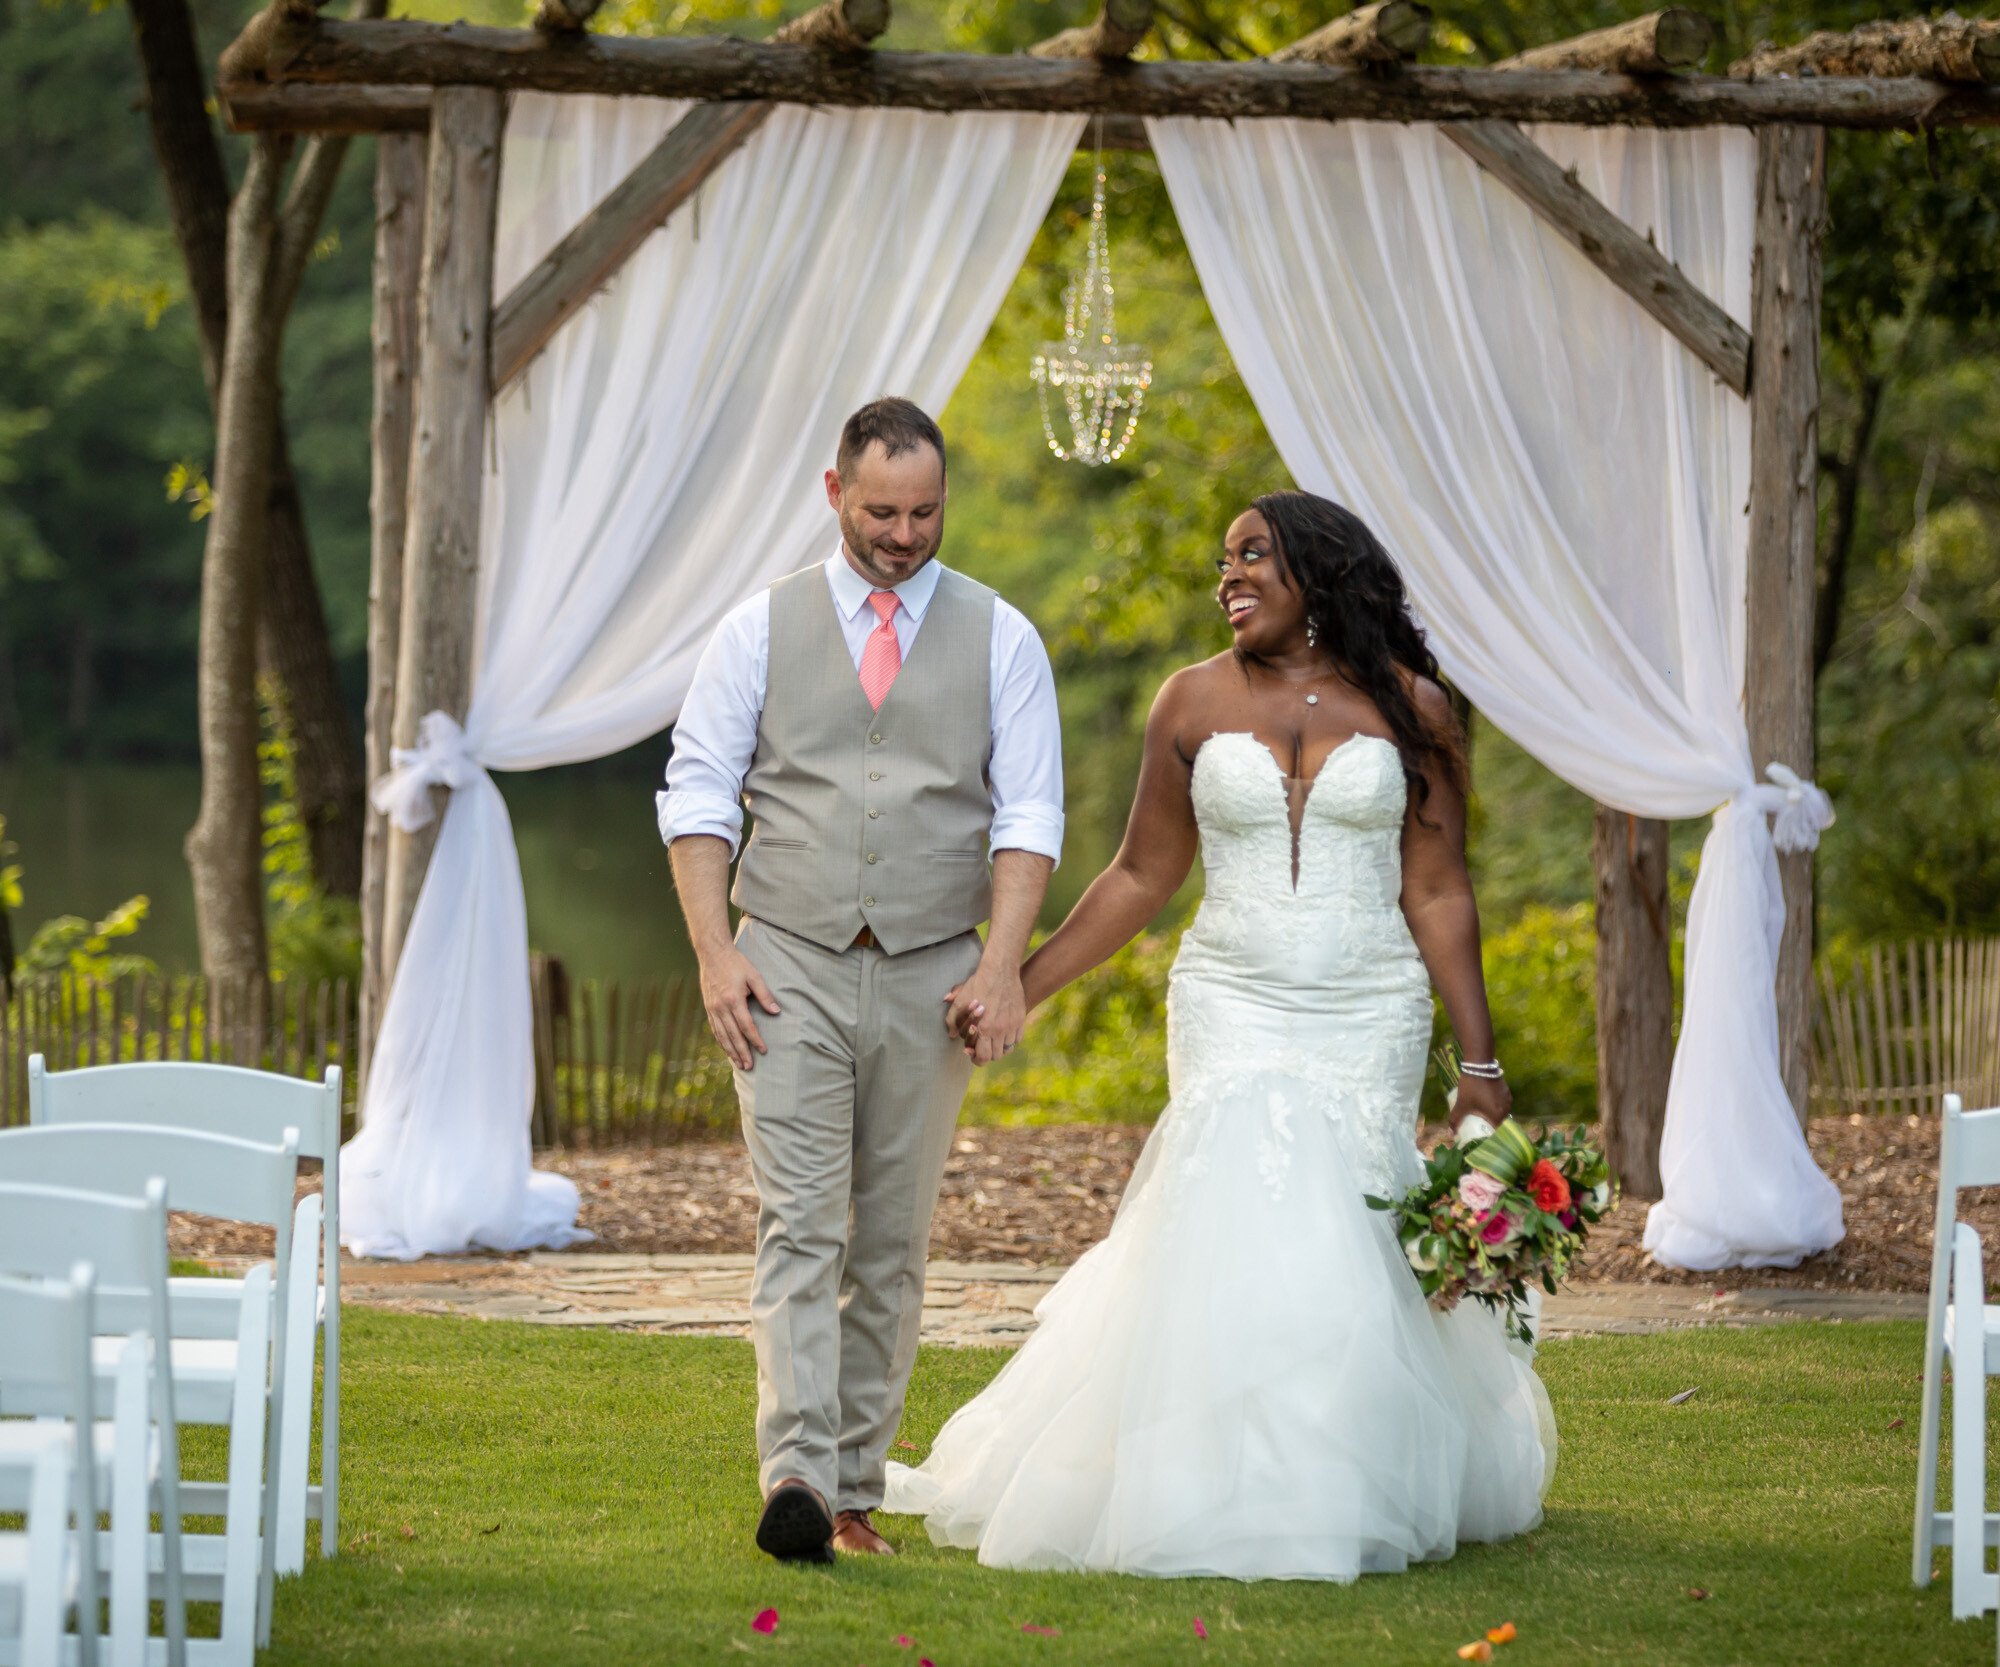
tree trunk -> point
(399, 232)
(1784, 477)
(225, 848)
(1840, 522)
(1635, 994)
(292, 644)
(10, 711)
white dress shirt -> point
(716, 736)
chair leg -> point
(1968, 1481)
(1927, 1463)
(329, 1427)
(294, 1442)
(243, 1528)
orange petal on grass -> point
(1504, 1633)
(1478, 1650)
(1200, 1631)
(766, 1622)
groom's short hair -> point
(898, 424)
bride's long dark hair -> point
(1360, 613)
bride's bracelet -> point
(1488, 1070)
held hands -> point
(988, 1013)
(732, 990)
(1481, 1096)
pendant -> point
(1312, 700)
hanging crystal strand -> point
(1100, 380)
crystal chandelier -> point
(1101, 381)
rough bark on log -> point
(225, 847)
(1625, 257)
(441, 544)
(397, 52)
(559, 285)
(1657, 44)
(399, 225)
(1385, 33)
(258, 107)
(837, 26)
(268, 43)
(1116, 33)
(1635, 994)
(1784, 477)
(1943, 48)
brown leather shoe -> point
(795, 1526)
(853, 1532)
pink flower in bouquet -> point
(1480, 1190)
(1496, 1227)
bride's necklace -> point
(1311, 684)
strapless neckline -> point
(1309, 783)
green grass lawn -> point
(516, 1493)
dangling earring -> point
(1312, 635)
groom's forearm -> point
(1020, 882)
(701, 876)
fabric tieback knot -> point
(442, 757)
(1799, 809)
(882, 654)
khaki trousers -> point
(849, 1121)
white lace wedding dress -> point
(1243, 1379)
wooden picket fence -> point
(1905, 1024)
(295, 1027)
(625, 1064)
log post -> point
(1784, 474)
(399, 250)
(1635, 994)
(447, 454)
(1949, 48)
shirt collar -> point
(850, 590)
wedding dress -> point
(1243, 1379)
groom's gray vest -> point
(863, 817)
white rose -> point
(1599, 1195)
(1420, 1259)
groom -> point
(888, 722)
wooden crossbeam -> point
(1389, 32)
(1943, 48)
(583, 262)
(700, 142)
(297, 107)
(400, 52)
(1625, 257)
(1116, 33)
(1654, 45)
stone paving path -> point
(967, 1303)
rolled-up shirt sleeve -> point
(715, 736)
(1026, 767)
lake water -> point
(599, 891)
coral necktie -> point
(882, 654)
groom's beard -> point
(888, 565)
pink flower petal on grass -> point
(904, 1641)
(1200, 1631)
(766, 1621)
(1041, 1631)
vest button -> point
(875, 740)
(873, 814)
(868, 902)
(874, 775)
(873, 858)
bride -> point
(1244, 1379)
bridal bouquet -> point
(1497, 1214)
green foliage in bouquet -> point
(1495, 1216)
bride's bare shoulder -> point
(1193, 702)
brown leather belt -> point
(864, 939)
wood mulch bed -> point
(1047, 1193)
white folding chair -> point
(248, 1105)
(44, 1230)
(1964, 1328)
(222, 1355)
(50, 1569)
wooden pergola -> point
(444, 349)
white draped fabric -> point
(1564, 486)
(658, 462)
